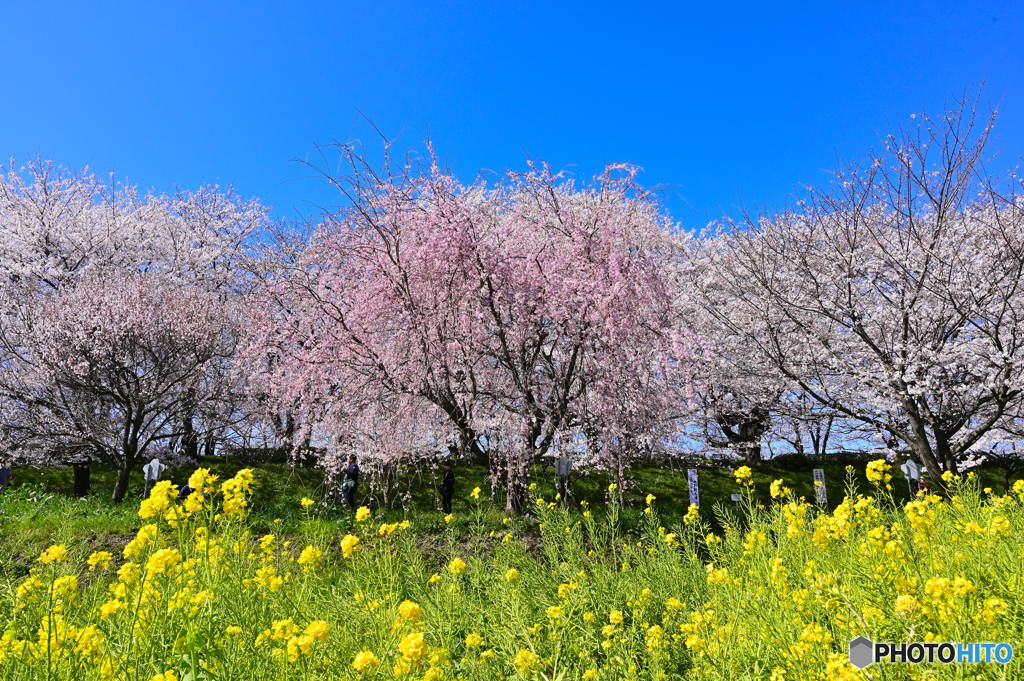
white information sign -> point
(912, 472)
(819, 487)
(737, 498)
(153, 470)
(691, 476)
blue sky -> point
(721, 102)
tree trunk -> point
(620, 478)
(82, 477)
(516, 500)
(189, 439)
(798, 438)
(944, 453)
(751, 453)
(121, 486)
(920, 444)
(744, 432)
(821, 437)
(516, 472)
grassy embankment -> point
(39, 510)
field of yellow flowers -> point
(778, 595)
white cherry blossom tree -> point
(894, 296)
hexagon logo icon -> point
(861, 652)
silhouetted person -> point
(351, 482)
(5, 475)
(447, 488)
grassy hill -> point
(38, 509)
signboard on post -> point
(819, 487)
(152, 470)
(562, 468)
(691, 476)
(912, 472)
(737, 498)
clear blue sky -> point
(720, 101)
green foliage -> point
(562, 593)
(776, 593)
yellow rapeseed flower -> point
(162, 561)
(878, 472)
(310, 556)
(202, 481)
(776, 489)
(349, 545)
(317, 629)
(410, 611)
(169, 675)
(413, 646)
(365, 661)
(54, 554)
(99, 560)
(526, 661)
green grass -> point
(38, 509)
(779, 591)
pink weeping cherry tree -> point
(117, 360)
(504, 314)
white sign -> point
(819, 487)
(153, 470)
(912, 472)
(691, 476)
(737, 498)
(563, 466)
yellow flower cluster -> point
(878, 473)
(349, 545)
(53, 554)
(780, 590)
(235, 492)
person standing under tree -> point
(447, 488)
(5, 475)
(351, 482)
